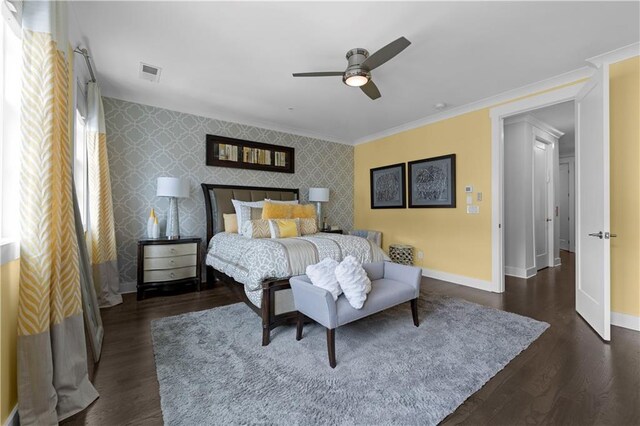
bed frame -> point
(217, 200)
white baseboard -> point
(460, 279)
(513, 271)
(14, 418)
(625, 320)
(128, 287)
(557, 262)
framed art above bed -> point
(222, 151)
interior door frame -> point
(570, 162)
(498, 115)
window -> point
(10, 88)
(80, 170)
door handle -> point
(549, 220)
(597, 234)
(608, 235)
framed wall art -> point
(388, 187)
(432, 182)
(240, 154)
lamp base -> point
(173, 225)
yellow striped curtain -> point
(52, 360)
(101, 227)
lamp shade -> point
(172, 187)
(319, 195)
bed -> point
(258, 270)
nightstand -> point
(333, 231)
(163, 262)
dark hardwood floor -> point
(567, 376)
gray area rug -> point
(212, 369)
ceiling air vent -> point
(149, 72)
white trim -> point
(557, 262)
(498, 114)
(128, 287)
(524, 273)
(503, 97)
(9, 251)
(616, 55)
(459, 279)
(540, 125)
(14, 418)
(631, 322)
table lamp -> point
(319, 196)
(173, 188)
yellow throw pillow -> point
(303, 211)
(284, 228)
(276, 211)
(230, 223)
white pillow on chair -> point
(323, 275)
(353, 281)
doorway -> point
(533, 143)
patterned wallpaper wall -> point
(145, 142)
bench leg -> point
(331, 346)
(414, 311)
(299, 326)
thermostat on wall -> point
(468, 189)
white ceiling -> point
(233, 61)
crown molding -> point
(616, 55)
(541, 125)
(504, 97)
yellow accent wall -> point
(460, 243)
(9, 274)
(625, 185)
(452, 241)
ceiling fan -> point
(358, 72)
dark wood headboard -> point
(217, 200)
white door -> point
(593, 266)
(564, 215)
(541, 218)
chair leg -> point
(414, 311)
(299, 326)
(331, 346)
(266, 335)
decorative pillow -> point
(353, 281)
(256, 213)
(230, 222)
(256, 229)
(307, 211)
(308, 226)
(284, 228)
(323, 275)
(276, 211)
(268, 200)
(243, 210)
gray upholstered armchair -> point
(373, 236)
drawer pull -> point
(172, 275)
(172, 262)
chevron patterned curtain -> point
(101, 228)
(52, 359)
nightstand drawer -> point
(151, 263)
(169, 274)
(170, 250)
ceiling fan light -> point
(356, 80)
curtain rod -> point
(85, 54)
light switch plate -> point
(469, 199)
(479, 196)
(473, 209)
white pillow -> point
(268, 200)
(353, 281)
(243, 210)
(323, 275)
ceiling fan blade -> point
(371, 90)
(386, 53)
(319, 74)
